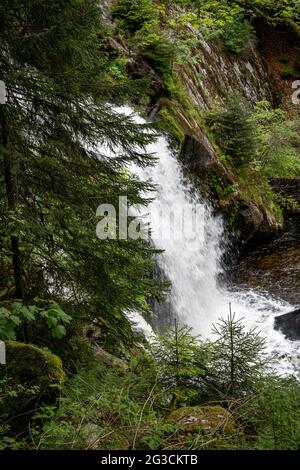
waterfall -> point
(193, 265)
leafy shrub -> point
(263, 138)
(277, 141)
(102, 409)
(15, 314)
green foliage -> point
(63, 152)
(277, 13)
(278, 141)
(101, 409)
(239, 359)
(219, 21)
(288, 71)
(14, 315)
(105, 408)
(10, 391)
(234, 132)
(131, 15)
(10, 443)
(264, 138)
(192, 370)
(214, 13)
(154, 438)
(30, 376)
(158, 50)
(237, 34)
(273, 414)
(180, 359)
(281, 403)
(140, 21)
(169, 122)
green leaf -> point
(58, 331)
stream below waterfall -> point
(197, 297)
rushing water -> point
(193, 265)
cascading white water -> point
(193, 266)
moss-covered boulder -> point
(30, 374)
(104, 438)
(207, 427)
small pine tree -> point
(234, 131)
(239, 358)
(178, 355)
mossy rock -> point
(208, 427)
(32, 364)
(97, 438)
(30, 374)
(206, 419)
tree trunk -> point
(11, 200)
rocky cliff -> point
(207, 75)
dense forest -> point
(88, 90)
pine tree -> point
(239, 359)
(181, 360)
(54, 169)
(234, 131)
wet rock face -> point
(215, 72)
(273, 267)
(289, 324)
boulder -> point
(30, 374)
(206, 419)
(289, 324)
(200, 427)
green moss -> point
(182, 100)
(170, 123)
(30, 366)
(233, 216)
(207, 427)
(194, 418)
(30, 375)
(277, 212)
(288, 71)
(31, 363)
